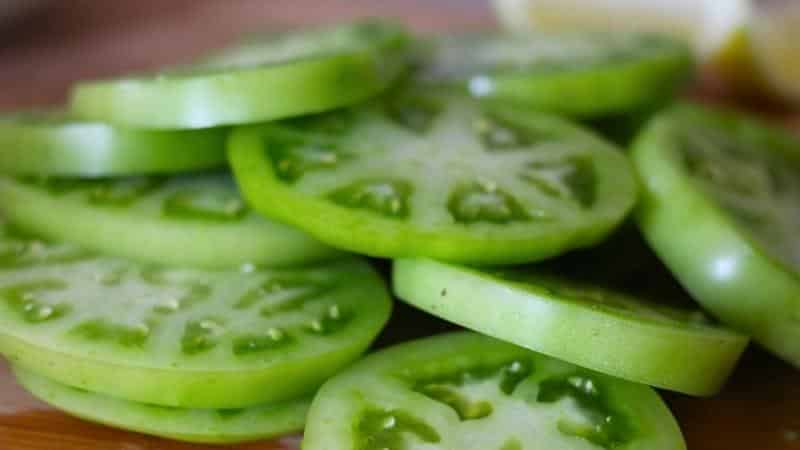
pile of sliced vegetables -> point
(146, 286)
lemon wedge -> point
(775, 46)
(754, 46)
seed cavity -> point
(119, 192)
(499, 134)
(271, 339)
(484, 202)
(200, 336)
(573, 179)
(111, 277)
(25, 300)
(463, 406)
(603, 426)
(294, 157)
(132, 336)
(281, 294)
(333, 319)
(512, 444)
(211, 325)
(204, 205)
(513, 374)
(748, 179)
(154, 275)
(389, 198)
(168, 306)
(415, 113)
(452, 389)
(733, 165)
(381, 430)
(756, 187)
(25, 253)
(197, 293)
(334, 312)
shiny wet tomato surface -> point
(756, 410)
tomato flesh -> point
(720, 210)
(446, 178)
(183, 337)
(467, 391)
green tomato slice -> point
(183, 337)
(289, 74)
(623, 128)
(195, 220)
(211, 426)
(722, 211)
(581, 75)
(469, 392)
(53, 143)
(585, 325)
(442, 177)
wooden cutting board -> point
(42, 56)
(758, 410)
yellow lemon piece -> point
(754, 47)
(775, 46)
(707, 25)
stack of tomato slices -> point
(180, 250)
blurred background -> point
(749, 50)
(45, 45)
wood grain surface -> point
(42, 55)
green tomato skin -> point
(332, 420)
(595, 92)
(243, 96)
(206, 389)
(721, 267)
(162, 371)
(382, 237)
(692, 361)
(325, 221)
(148, 238)
(89, 149)
(190, 425)
(574, 85)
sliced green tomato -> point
(469, 392)
(583, 75)
(53, 143)
(197, 220)
(287, 75)
(214, 426)
(589, 326)
(442, 177)
(183, 337)
(623, 128)
(722, 210)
